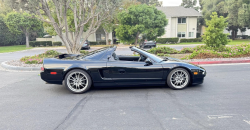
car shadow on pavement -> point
(63, 90)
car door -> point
(134, 73)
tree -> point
(227, 8)
(73, 17)
(7, 38)
(140, 19)
(190, 4)
(214, 36)
(150, 2)
(19, 23)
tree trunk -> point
(27, 39)
(136, 38)
(233, 34)
(107, 36)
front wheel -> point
(178, 79)
(78, 81)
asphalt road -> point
(221, 102)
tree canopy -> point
(70, 19)
(190, 4)
(140, 19)
(19, 23)
(237, 12)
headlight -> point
(204, 73)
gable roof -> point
(178, 11)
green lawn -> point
(4, 49)
(235, 42)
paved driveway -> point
(221, 102)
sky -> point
(171, 2)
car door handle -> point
(122, 71)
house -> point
(182, 22)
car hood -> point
(170, 59)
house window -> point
(100, 37)
(191, 34)
(182, 20)
(181, 34)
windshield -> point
(146, 53)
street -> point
(221, 102)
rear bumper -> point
(45, 76)
(85, 47)
(144, 46)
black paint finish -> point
(108, 69)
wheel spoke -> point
(77, 81)
(179, 79)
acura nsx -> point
(103, 68)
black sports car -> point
(103, 67)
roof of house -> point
(179, 11)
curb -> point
(219, 62)
(9, 67)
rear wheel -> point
(178, 79)
(78, 81)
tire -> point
(77, 84)
(176, 79)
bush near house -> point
(167, 40)
(98, 43)
(191, 40)
(40, 43)
(57, 43)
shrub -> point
(214, 36)
(163, 50)
(38, 59)
(57, 43)
(199, 52)
(167, 40)
(84, 52)
(40, 43)
(191, 40)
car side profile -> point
(103, 68)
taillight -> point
(53, 72)
(42, 68)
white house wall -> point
(171, 29)
(192, 26)
(173, 32)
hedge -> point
(98, 43)
(167, 40)
(191, 40)
(57, 43)
(40, 43)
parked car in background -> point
(148, 44)
(85, 45)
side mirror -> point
(109, 56)
(148, 63)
